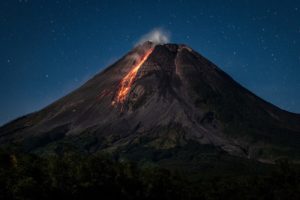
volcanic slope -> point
(160, 102)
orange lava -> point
(127, 81)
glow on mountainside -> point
(127, 81)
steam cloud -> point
(157, 36)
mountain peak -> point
(171, 46)
(160, 96)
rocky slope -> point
(161, 101)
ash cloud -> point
(157, 36)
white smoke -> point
(157, 36)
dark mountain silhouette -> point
(166, 103)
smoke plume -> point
(157, 36)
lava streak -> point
(127, 81)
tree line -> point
(77, 176)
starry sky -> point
(50, 47)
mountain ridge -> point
(176, 96)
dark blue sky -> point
(49, 48)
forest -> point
(98, 176)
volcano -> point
(162, 102)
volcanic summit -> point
(157, 99)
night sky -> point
(48, 47)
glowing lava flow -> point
(127, 81)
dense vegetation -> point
(74, 176)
